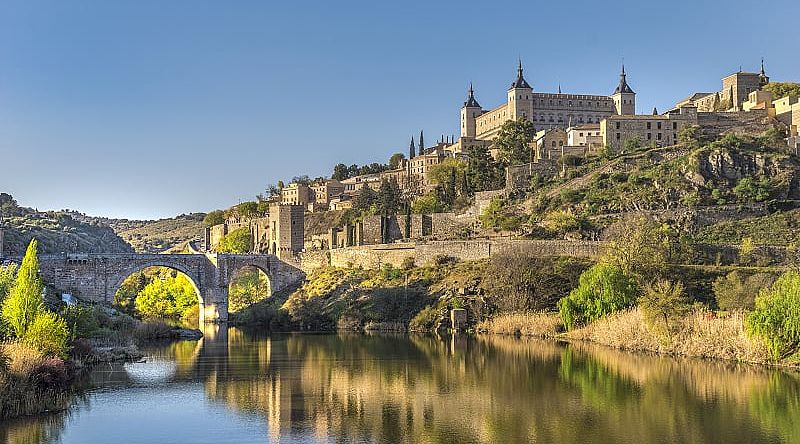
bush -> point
(426, 320)
(737, 291)
(169, 297)
(237, 241)
(408, 263)
(661, 304)
(152, 329)
(389, 273)
(602, 289)
(776, 317)
(81, 320)
(48, 333)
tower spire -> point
(471, 102)
(559, 88)
(520, 82)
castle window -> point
(617, 125)
(649, 125)
(674, 125)
(649, 136)
(658, 136)
(580, 134)
(554, 144)
(617, 136)
(570, 103)
(658, 125)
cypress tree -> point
(25, 299)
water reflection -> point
(424, 389)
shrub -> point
(661, 304)
(49, 333)
(602, 289)
(736, 291)
(560, 222)
(168, 297)
(152, 329)
(746, 250)
(239, 240)
(81, 320)
(426, 320)
(408, 263)
(776, 317)
(389, 273)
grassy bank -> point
(31, 382)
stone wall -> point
(518, 177)
(740, 122)
(424, 253)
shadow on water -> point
(424, 389)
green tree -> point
(215, 217)
(247, 288)
(365, 199)
(500, 215)
(641, 245)
(49, 333)
(662, 304)
(776, 317)
(602, 289)
(483, 173)
(340, 172)
(428, 203)
(780, 90)
(389, 198)
(737, 291)
(396, 160)
(238, 241)
(631, 145)
(8, 274)
(514, 141)
(749, 190)
(247, 210)
(25, 299)
(169, 297)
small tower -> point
(520, 97)
(469, 112)
(763, 79)
(624, 97)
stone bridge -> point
(97, 277)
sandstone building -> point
(279, 233)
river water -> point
(234, 387)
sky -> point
(151, 108)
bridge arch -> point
(135, 267)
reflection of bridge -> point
(96, 277)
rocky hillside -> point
(56, 232)
(163, 235)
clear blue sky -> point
(152, 108)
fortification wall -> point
(518, 177)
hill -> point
(163, 235)
(56, 231)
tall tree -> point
(396, 160)
(25, 300)
(483, 173)
(514, 142)
(389, 199)
(340, 172)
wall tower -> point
(469, 112)
(520, 97)
(624, 97)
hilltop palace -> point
(574, 125)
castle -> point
(545, 110)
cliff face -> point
(730, 166)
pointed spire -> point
(655, 111)
(471, 102)
(559, 88)
(412, 150)
(520, 82)
(762, 67)
(421, 143)
(623, 86)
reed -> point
(536, 324)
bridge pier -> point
(214, 307)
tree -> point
(215, 217)
(49, 333)
(602, 289)
(483, 173)
(749, 190)
(780, 90)
(500, 215)
(168, 297)
(737, 291)
(238, 241)
(340, 172)
(365, 198)
(631, 144)
(8, 274)
(25, 300)
(446, 175)
(640, 245)
(388, 200)
(428, 203)
(247, 210)
(303, 180)
(514, 141)
(662, 303)
(776, 317)
(396, 160)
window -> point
(617, 136)
(658, 136)
(649, 136)
(649, 125)
(674, 125)
(658, 125)
(580, 134)
(617, 125)
(554, 144)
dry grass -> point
(543, 325)
(32, 383)
(152, 329)
(700, 334)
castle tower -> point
(762, 77)
(520, 97)
(469, 112)
(624, 97)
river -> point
(235, 387)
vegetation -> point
(215, 217)
(737, 290)
(780, 228)
(776, 317)
(238, 241)
(514, 140)
(169, 297)
(342, 171)
(780, 90)
(248, 287)
(602, 289)
(663, 304)
(500, 215)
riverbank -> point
(700, 334)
